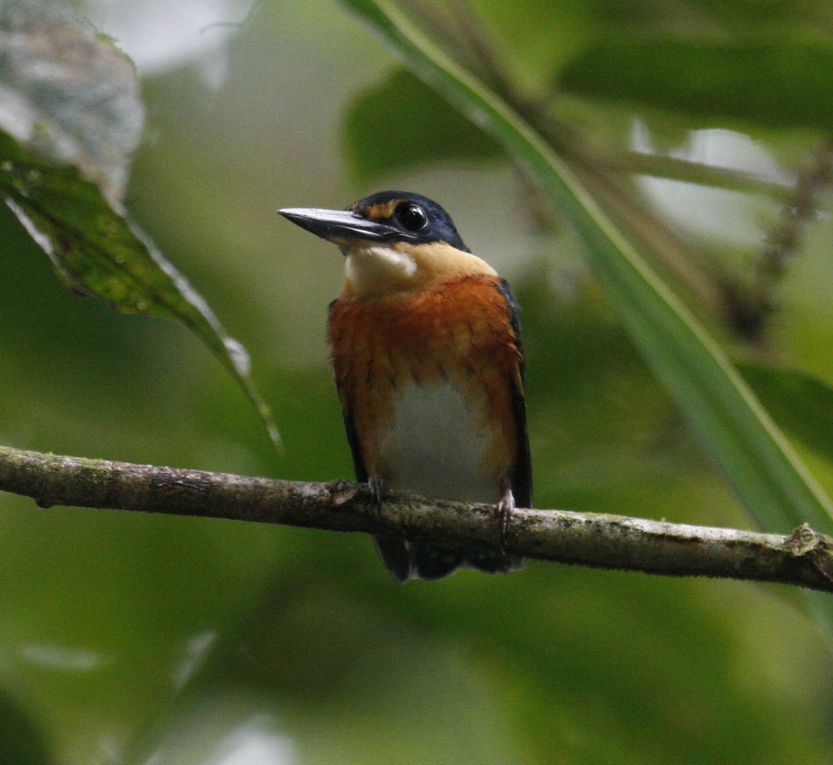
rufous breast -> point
(426, 378)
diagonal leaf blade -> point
(765, 472)
(800, 403)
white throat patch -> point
(377, 268)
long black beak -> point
(341, 227)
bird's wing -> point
(521, 475)
(347, 410)
(355, 445)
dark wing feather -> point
(521, 476)
(346, 407)
(355, 445)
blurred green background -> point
(139, 639)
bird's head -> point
(393, 242)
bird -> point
(426, 349)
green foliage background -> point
(141, 639)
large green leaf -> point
(767, 475)
(771, 82)
(400, 123)
(70, 117)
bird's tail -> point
(423, 560)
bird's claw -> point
(378, 489)
(505, 508)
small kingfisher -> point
(426, 349)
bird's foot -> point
(378, 489)
(505, 508)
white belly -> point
(436, 445)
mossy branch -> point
(803, 558)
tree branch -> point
(804, 558)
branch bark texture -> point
(804, 558)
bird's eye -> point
(411, 216)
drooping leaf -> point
(767, 475)
(400, 123)
(70, 116)
(776, 82)
(67, 92)
(98, 252)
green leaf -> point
(67, 92)
(802, 404)
(400, 123)
(98, 252)
(769, 478)
(70, 117)
(22, 740)
(770, 82)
